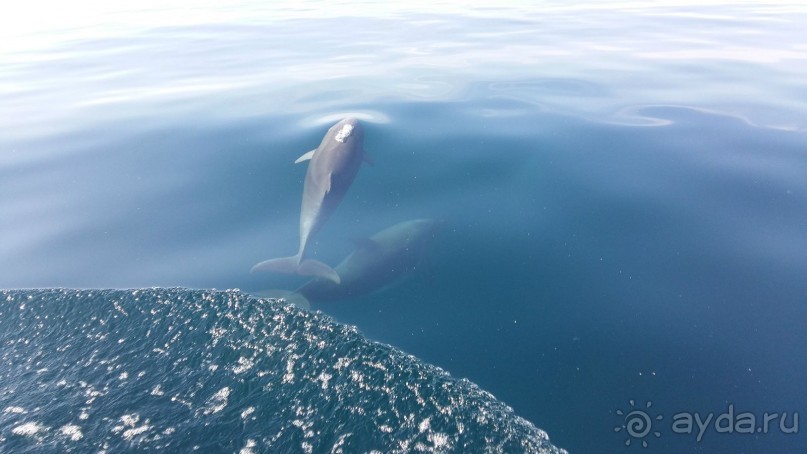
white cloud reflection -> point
(89, 54)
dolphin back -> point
(293, 265)
(332, 168)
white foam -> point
(325, 377)
(440, 441)
(130, 426)
(248, 448)
(135, 431)
(218, 402)
(28, 429)
(425, 424)
(244, 364)
(72, 431)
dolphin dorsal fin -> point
(305, 157)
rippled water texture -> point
(621, 186)
(194, 370)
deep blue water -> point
(622, 187)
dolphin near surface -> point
(334, 164)
(377, 262)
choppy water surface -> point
(621, 186)
(189, 370)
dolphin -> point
(377, 262)
(334, 164)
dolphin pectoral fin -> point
(286, 265)
(368, 159)
(289, 297)
(305, 157)
(311, 267)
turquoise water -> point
(621, 186)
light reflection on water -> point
(712, 57)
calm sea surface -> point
(622, 187)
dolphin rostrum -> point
(333, 167)
(377, 263)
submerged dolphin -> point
(333, 167)
(376, 263)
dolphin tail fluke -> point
(293, 265)
(285, 295)
(311, 267)
(287, 265)
(298, 300)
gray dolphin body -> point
(333, 167)
(377, 262)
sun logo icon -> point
(638, 423)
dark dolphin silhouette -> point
(333, 167)
(377, 262)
